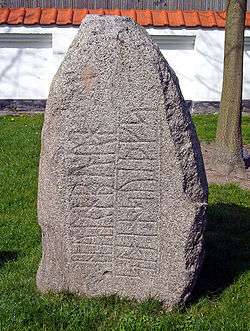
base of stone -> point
(17, 106)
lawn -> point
(206, 127)
(221, 297)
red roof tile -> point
(114, 12)
(144, 17)
(64, 16)
(176, 18)
(173, 18)
(160, 18)
(96, 11)
(79, 15)
(207, 19)
(32, 16)
(248, 19)
(191, 18)
(4, 14)
(48, 16)
(16, 16)
(129, 12)
(220, 18)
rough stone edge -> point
(181, 117)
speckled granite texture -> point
(122, 189)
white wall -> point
(25, 73)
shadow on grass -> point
(7, 256)
(226, 249)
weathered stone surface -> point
(122, 188)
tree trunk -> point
(228, 151)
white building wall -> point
(26, 72)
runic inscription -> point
(114, 194)
(122, 191)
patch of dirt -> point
(213, 176)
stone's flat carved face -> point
(122, 189)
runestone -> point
(122, 191)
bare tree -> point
(228, 151)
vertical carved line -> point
(116, 165)
(159, 221)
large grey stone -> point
(122, 187)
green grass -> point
(221, 297)
(206, 127)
